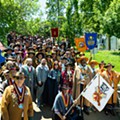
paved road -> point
(46, 114)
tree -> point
(112, 20)
(64, 14)
(98, 16)
(19, 15)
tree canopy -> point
(72, 17)
(20, 16)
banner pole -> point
(73, 104)
(94, 53)
(90, 57)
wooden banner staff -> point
(99, 90)
(73, 104)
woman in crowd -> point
(53, 82)
(49, 61)
(67, 76)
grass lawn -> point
(108, 56)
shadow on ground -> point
(116, 53)
(44, 114)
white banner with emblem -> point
(98, 92)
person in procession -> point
(39, 57)
(93, 70)
(53, 84)
(12, 69)
(81, 78)
(42, 71)
(111, 77)
(101, 68)
(67, 76)
(62, 103)
(52, 69)
(30, 72)
(17, 101)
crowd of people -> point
(40, 70)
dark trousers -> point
(76, 115)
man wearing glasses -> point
(17, 100)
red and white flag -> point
(98, 92)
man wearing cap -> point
(8, 52)
(93, 64)
(80, 79)
(63, 61)
(17, 101)
(39, 57)
(69, 57)
(12, 69)
(31, 54)
(30, 80)
(101, 68)
(62, 103)
(111, 77)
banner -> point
(91, 40)
(2, 59)
(80, 44)
(54, 32)
(98, 92)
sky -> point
(43, 5)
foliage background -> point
(73, 17)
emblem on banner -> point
(100, 93)
(80, 44)
(54, 32)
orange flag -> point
(80, 44)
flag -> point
(80, 44)
(2, 59)
(98, 92)
(54, 32)
(91, 40)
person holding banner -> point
(81, 78)
(62, 103)
(111, 77)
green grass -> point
(112, 57)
